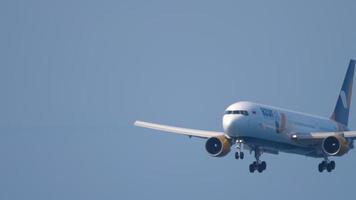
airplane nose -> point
(234, 124)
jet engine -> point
(335, 145)
(218, 146)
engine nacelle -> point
(335, 145)
(218, 146)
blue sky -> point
(74, 75)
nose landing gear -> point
(239, 154)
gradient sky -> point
(74, 75)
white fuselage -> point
(272, 127)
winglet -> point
(342, 108)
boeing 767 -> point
(265, 129)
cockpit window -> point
(237, 112)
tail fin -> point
(342, 108)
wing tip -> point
(137, 123)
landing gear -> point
(258, 165)
(242, 155)
(238, 153)
(326, 165)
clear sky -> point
(74, 75)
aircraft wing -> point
(178, 130)
(322, 135)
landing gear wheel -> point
(321, 167)
(242, 155)
(329, 167)
(326, 165)
(260, 168)
(237, 155)
(252, 168)
(264, 165)
(332, 163)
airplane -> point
(262, 129)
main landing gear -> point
(326, 165)
(258, 165)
